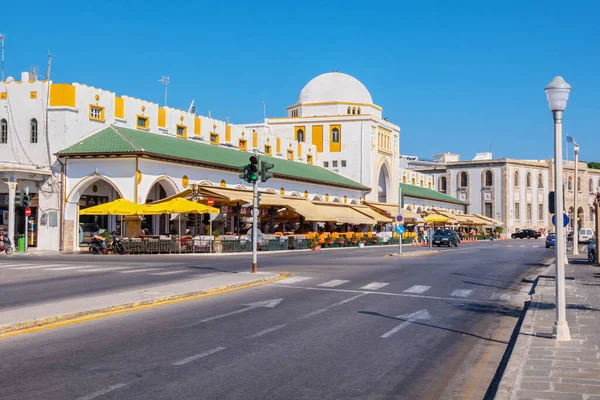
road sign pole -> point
(399, 213)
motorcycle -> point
(98, 246)
(6, 246)
(592, 254)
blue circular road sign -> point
(400, 229)
(565, 220)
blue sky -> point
(455, 75)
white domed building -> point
(335, 115)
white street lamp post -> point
(557, 92)
(576, 216)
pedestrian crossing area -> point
(425, 291)
(84, 269)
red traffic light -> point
(253, 160)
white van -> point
(585, 235)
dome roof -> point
(334, 87)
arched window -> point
(358, 110)
(591, 186)
(442, 187)
(464, 181)
(540, 181)
(335, 135)
(528, 180)
(349, 110)
(300, 135)
(579, 184)
(570, 183)
(488, 178)
(516, 182)
(353, 110)
(3, 131)
(33, 130)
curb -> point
(81, 316)
(415, 254)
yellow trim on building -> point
(119, 107)
(223, 183)
(243, 144)
(335, 147)
(3, 95)
(185, 182)
(317, 137)
(290, 154)
(309, 159)
(278, 145)
(197, 126)
(268, 149)
(91, 117)
(33, 94)
(162, 117)
(144, 118)
(300, 149)
(330, 103)
(254, 139)
(296, 129)
(227, 133)
(184, 132)
(62, 95)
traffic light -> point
(257, 199)
(19, 197)
(265, 167)
(551, 203)
(26, 200)
(250, 174)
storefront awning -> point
(475, 220)
(229, 195)
(453, 218)
(340, 213)
(492, 221)
(368, 211)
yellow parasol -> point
(433, 218)
(116, 207)
(180, 206)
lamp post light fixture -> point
(557, 93)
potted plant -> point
(374, 239)
(217, 245)
(354, 239)
(341, 241)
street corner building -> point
(74, 146)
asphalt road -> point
(344, 326)
(29, 280)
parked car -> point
(551, 240)
(526, 233)
(88, 228)
(444, 237)
(585, 235)
(570, 236)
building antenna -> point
(165, 80)
(489, 147)
(2, 43)
(264, 103)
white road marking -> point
(410, 318)
(250, 306)
(500, 296)
(39, 266)
(265, 331)
(103, 391)
(182, 271)
(418, 296)
(293, 279)
(339, 303)
(522, 245)
(102, 269)
(536, 246)
(198, 356)
(461, 293)
(333, 283)
(510, 245)
(61, 268)
(417, 289)
(140, 270)
(374, 286)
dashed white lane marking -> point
(293, 279)
(536, 246)
(522, 245)
(339, 303)
(140, 270)
(265, 331)
(374, 286)
(417, 289)
(197, 356)
(510, 245)
(170, 272)
(102, 269)
(61, 268)
(333, 283)
(103, 391)
(39, 266)
(461, 293)
(500, 296)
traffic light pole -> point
(254, 226)
(399, 213)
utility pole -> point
(2, 44)
(399, 213)
(576, 216)
(165, 81)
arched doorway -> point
(89, 192)
(162, 188)
(383, 184)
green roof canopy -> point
(425, 193)
(115, 140)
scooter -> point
(116, 246)
(98, 246)
(592, 254)
(6, 246)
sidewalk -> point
(542, 368)
(40, 316)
